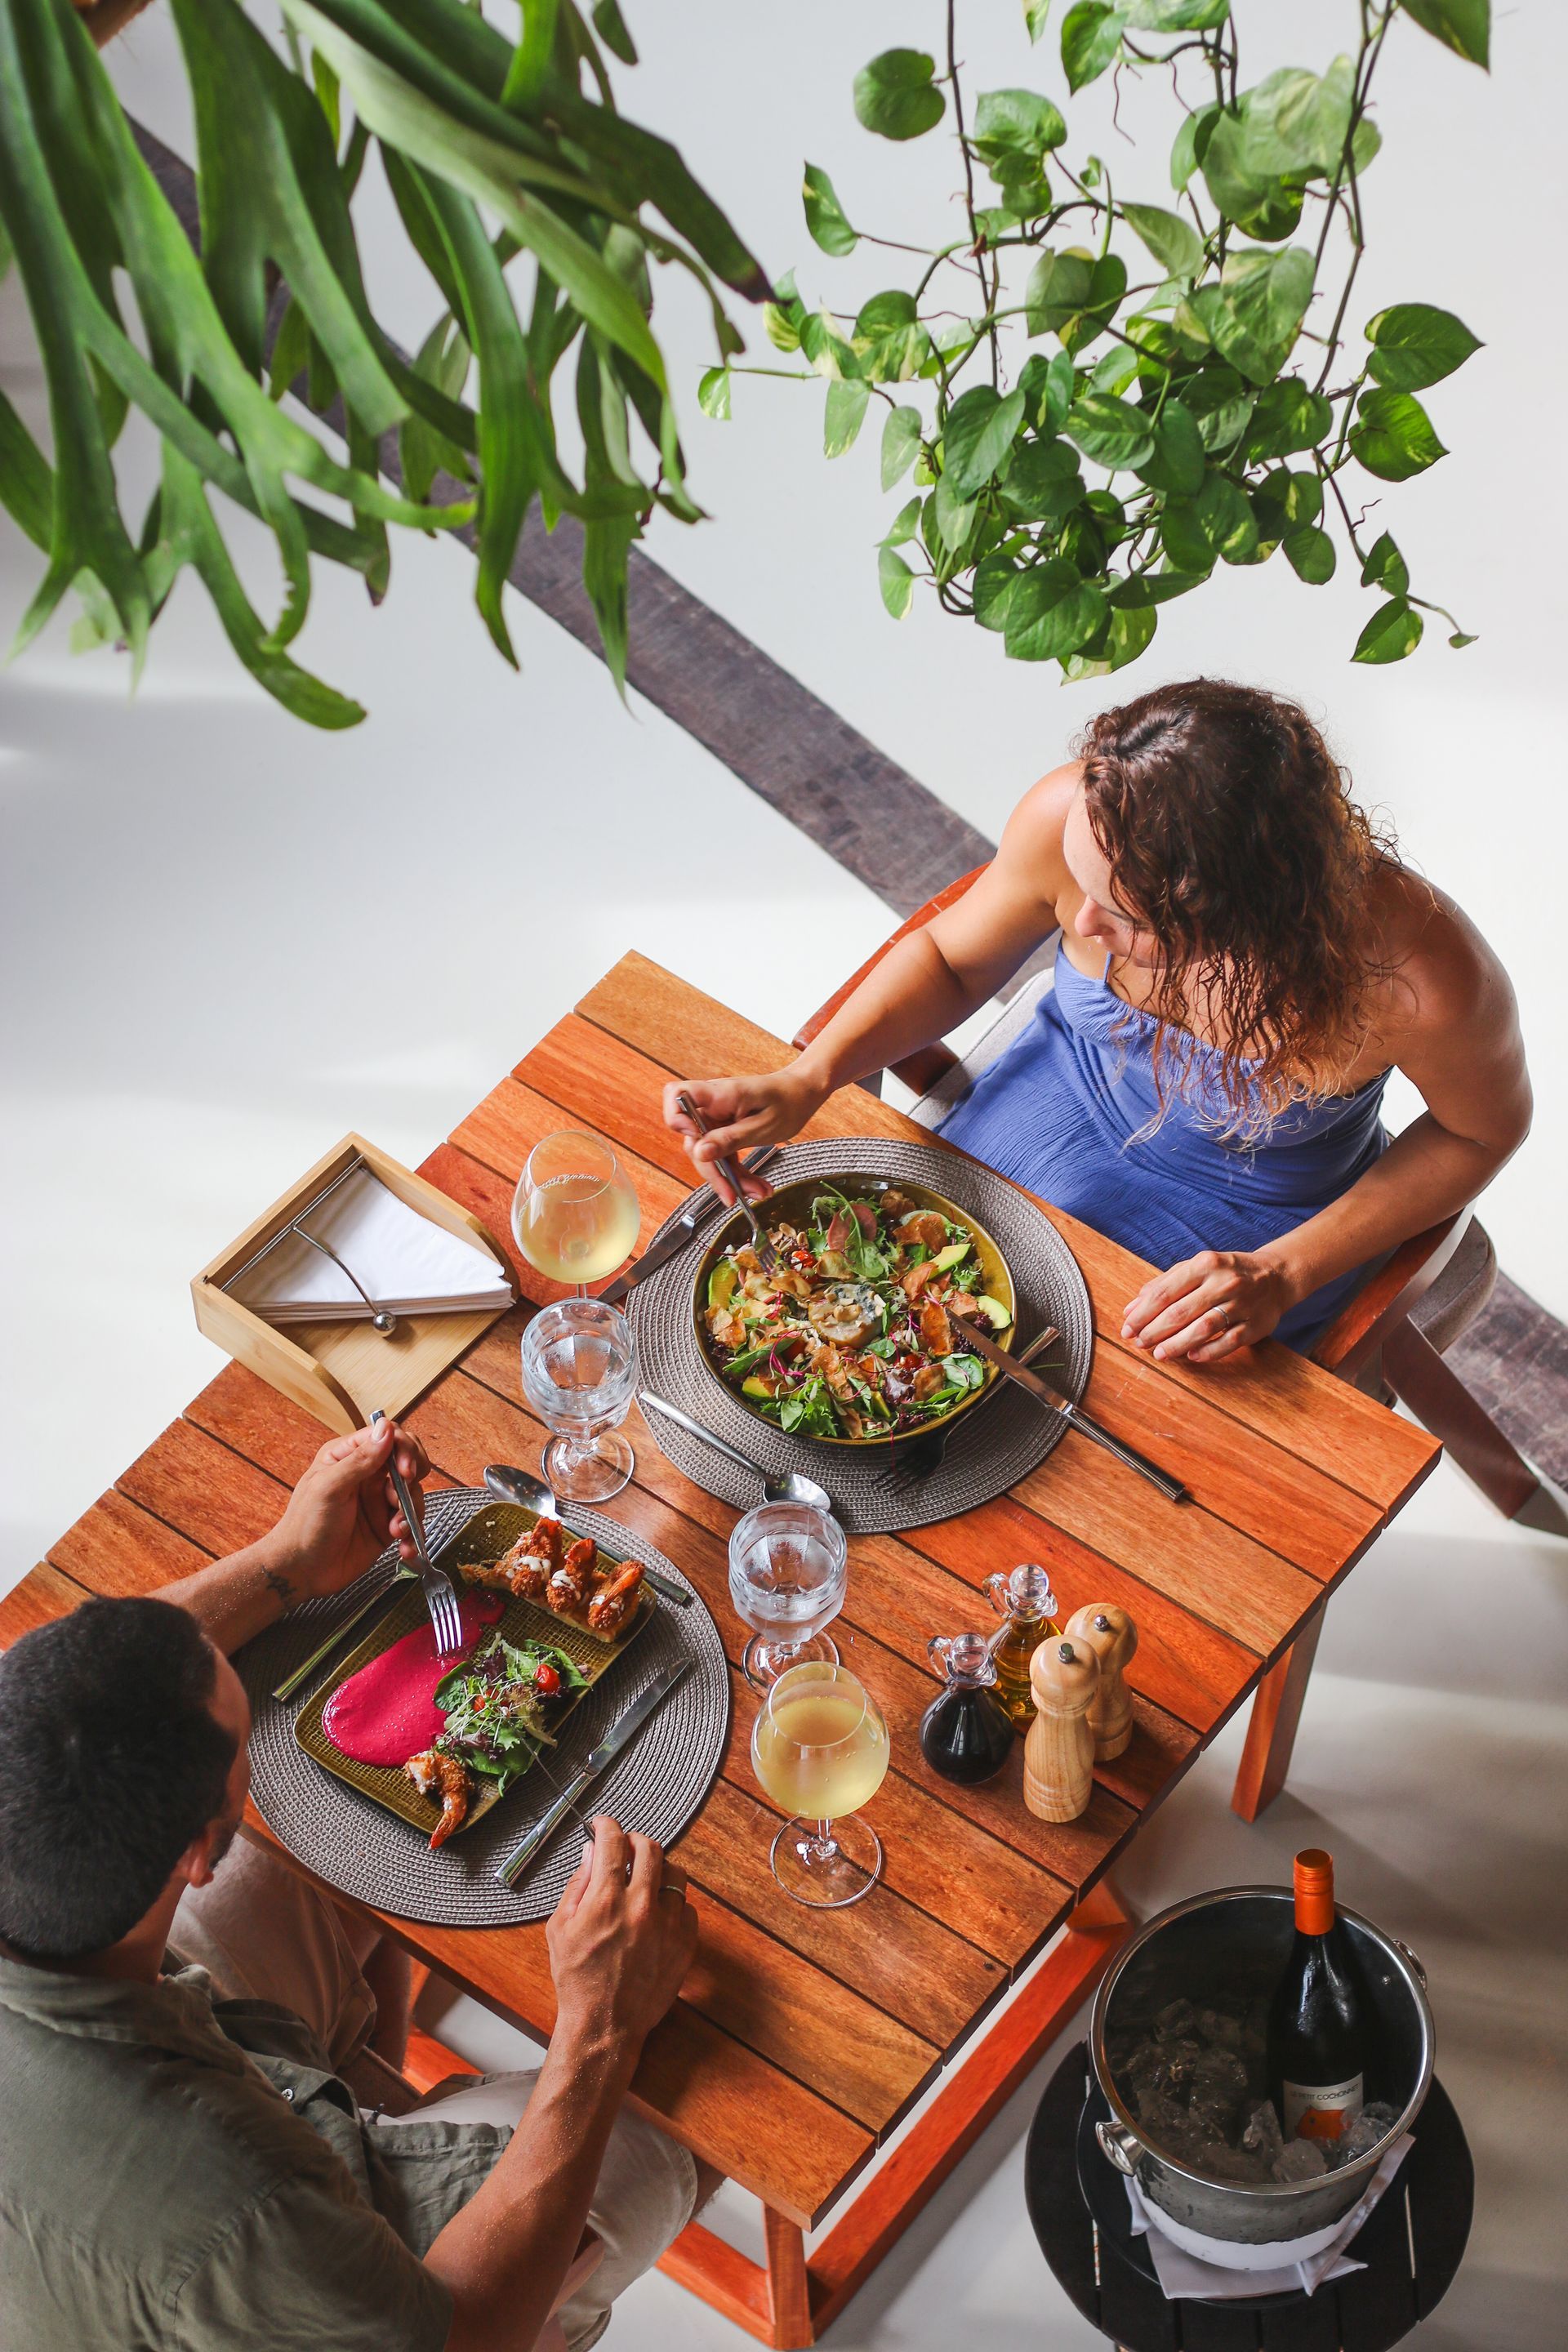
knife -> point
(609, 1747)
(967, 1336)
(660, 1253)
(675, 1878)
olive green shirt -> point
(178, 2175)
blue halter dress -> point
(1068, 1110)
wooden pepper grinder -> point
(1111, 1634)
(1059, 1751)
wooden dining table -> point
(803, 2041)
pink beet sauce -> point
(387, 1712)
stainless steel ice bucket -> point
(1188, 1951)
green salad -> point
(500, 1702)
(857, 1330)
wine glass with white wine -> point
(574, 1213)
(819, 1747)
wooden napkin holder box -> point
(341, 1371)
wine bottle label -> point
(1321, 2110)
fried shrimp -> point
(616, 1596)
(448, 1784)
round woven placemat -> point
(656, 1786)
(994, 1444)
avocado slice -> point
(753, 1385)
(995, 1314)
(723, 1284)
(953, 1255)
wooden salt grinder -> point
(1111, 1634)
(1058, 1751)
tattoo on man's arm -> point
(276, 1581)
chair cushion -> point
(1011, 1022)
(1460, 1291)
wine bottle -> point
(1317, 2020)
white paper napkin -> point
(404, 1262)
(1181, 2273)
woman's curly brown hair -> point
(1232, 840)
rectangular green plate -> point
(488, 1534)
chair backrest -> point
(932, 1107)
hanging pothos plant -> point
(492, 149)
(1193, 353)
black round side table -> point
(1411, 2244)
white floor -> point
(1430, 1761)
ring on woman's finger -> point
(1222, 1311)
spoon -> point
(510, 1486)
(794, 1487)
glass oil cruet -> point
(965, 1734)
(1023, 1597)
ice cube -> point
(1218, 2075)
(1175, 2021)
(1300, 2159)
(1219, 2161)
(1262, 2133)
(1218, 2031)
(1160, 2115)
(1358, 2139)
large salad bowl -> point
(979, 1266)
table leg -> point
(1271, 1728)
(789, 2290)
(790, 2301)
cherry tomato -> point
(546, 1679)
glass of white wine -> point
(579, 1374)
(819, 1747)
(574, 1213)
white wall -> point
(227, 938)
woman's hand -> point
(1209, 1306)
(743, 1114)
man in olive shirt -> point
(182, 2167)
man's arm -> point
(619, 1949)
(342, 1513)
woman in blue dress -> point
(1242, 961)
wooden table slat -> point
(42, 1595)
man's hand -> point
(619, 1943)
(342, 1513)
(1209, 1306)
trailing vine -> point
(1194, 353)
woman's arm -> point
(1459, 1042)
(920, 989)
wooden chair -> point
(1389, 1340)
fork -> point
(767, 1257)
(441, 1595)
(925, 1455)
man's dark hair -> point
(110, 1763)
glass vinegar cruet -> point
(1023, 1597)
(965, 1734)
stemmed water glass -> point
(579, 1373)
(819, 1747)
(574, 1214)
(786, 1581)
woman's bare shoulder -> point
(1033, 835)
(1438, 968)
